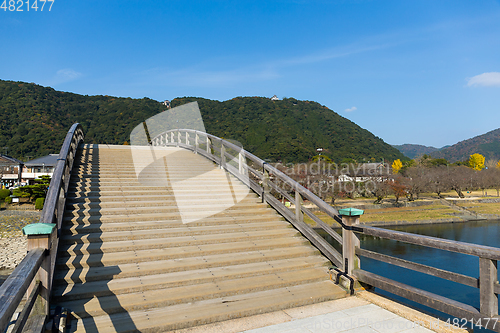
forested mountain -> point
(487, 145)
(412, 151)
(290, 130)
(35, 119)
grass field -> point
(410, 214)
(479, 207)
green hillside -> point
(290, 130)
(487, 144)
(35, 119)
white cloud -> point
(351, 109)
(486, 80)
(65, 75)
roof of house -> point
(4, 159)
(49, 160)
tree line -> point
(403, 179)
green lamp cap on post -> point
(351, 212)
(39, 229)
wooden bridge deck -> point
(156, 239)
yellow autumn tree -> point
(498, 165)
(476, 161)
(396, 166)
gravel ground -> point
(12, 240)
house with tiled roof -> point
(10, 171)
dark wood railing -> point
(33, 276)
(270, 183)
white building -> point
(42, 166)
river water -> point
(484, 233)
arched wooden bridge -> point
(191, 230)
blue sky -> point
(425, 72)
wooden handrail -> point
(434, 242)
(42, 259)
(16, 285)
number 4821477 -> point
(26, 5)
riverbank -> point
(423, 211)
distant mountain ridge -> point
(487, 144)
(412, 150)
(35, 119)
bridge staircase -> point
(161, 249)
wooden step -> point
(168, 280)
(174, 230)
(182, 264)
(109, 258)
(214, 310)
(185, 294)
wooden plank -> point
(323, 225)
(437, 243)
(451, 276)
(309, 213)
(35, 324)
(13, 289)
(423, 297)
(255, 172)
(23, 316)
(316, 240)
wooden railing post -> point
(196, 142)
(487, 280)
(265, 183)
(240, 163)
(187, 138)
(222, 155)
(178, 138)
(41, 235)
(350, 218)
(298, 207)
(208, 146)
